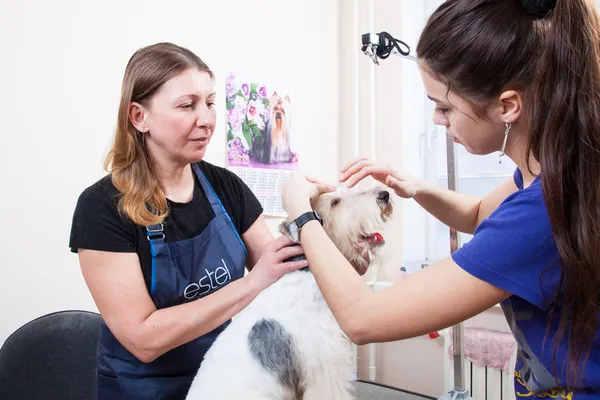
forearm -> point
(457, 210)
(342, 287)
(170, 327)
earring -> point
(506, 132)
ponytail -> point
(565, 139)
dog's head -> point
(354, 222)
(278, 108)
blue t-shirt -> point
(514, 249)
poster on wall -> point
(259, 139)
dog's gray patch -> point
(284, 228)
(273, 347)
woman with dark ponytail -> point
(521, 77)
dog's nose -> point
(384, 196)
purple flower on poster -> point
(246, 89)
(234, 118)
(262, 91)
(230, 86)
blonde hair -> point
(141, 197)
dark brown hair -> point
(128, 160)
(480, 48)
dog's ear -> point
(287, 97)
(284, 228)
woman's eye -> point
(442, 111)
(186, 105)
(210, 104)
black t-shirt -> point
(98, 225)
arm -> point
(435, 297)
(117, 286)
(461, 211)
(256, 238)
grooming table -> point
(375, 391)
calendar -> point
(267, 185)
(260, 148)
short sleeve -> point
(514, 249)
(249, 207)
(97, 223)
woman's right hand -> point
(403, 184)
(271, 266)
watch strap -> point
(306, 217)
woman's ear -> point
(510, 106)
(138, 117)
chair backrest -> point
(51, 357)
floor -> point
(370, 391)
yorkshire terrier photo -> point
(274, 145)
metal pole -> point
(457, 330)
(459, 391)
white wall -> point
(60, 75)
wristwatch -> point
(296, 225)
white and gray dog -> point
(286, 344)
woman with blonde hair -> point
(164, 238)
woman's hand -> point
(403, 184)
(299, 192)
(271, 266)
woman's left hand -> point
(299, 192)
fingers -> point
(322, 187)
(351, 163)
(293, 265)
(282, 241)
(325, 188)
(288, 252)
(354, 168)
(312, 179)
(363, 173)
(403, 189)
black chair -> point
(52, 357)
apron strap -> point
(155, 235)
(215, 202)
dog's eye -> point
(335, 202)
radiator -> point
(483, 383)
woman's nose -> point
(204, 117)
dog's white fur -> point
(230, 370)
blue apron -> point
(182, 271)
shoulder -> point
(100, 195)
(526, 208)
(514, 248)
(97, 223)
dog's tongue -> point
(376, 237)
